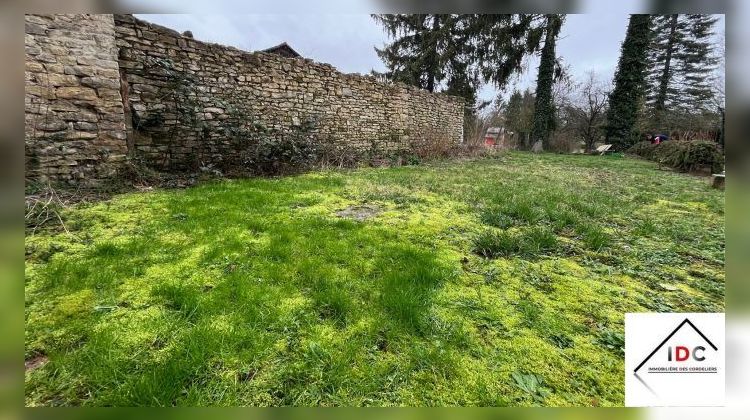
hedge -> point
(686, 156)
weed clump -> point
(493, 244)
(505, 243)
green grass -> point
(488, 282)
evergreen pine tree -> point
(629, 81)
(697, 62)
(663, 46)
(455, 53)
(681, 64)
(414, 56)
(519, 115)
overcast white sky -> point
(588, 41)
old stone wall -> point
(99, 87)
(192, 100)
(75, 125)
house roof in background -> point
(283, 49)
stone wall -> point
(101, 86)
(192, 101)
(75, 125)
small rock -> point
(668, 287)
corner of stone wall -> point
(75, 125)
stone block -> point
(34, 67)
(80, 93)
(35, 29)
(101, 82)
(61, 80)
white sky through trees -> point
(587, 42)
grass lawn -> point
(488, 282)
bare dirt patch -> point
(359, 213)
(35, 363)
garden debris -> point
(603, 149)
(247, 376)
(717, 180)
(359, 213)
(44, 208)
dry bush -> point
(431, 145)
(564, 141)
(333, 153)
(43, 208)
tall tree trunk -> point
(543, 105)
(661, 97)
(433, 57)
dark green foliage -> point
(531, 384)
(689, 156)
(501, 41)
(626, 97)
(181, 298)
(660, 73)
(644, 149)
(494, 216)
(418, 53)
(282, 153)
(613, 341)
(594, 237)
(684, 156)
(457, 51)
(681, 66)
(544, 113)
(561, 341)
(519, 116)
(430, 51)
(539, 239)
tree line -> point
(664, 80)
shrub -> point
(691, 155)
(280, 154)
(337, 153)
(431, 145)
(263, 151)
(683, 156)
(644, 149)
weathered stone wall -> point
(75, 125)
(100, 88)
(193, 101)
